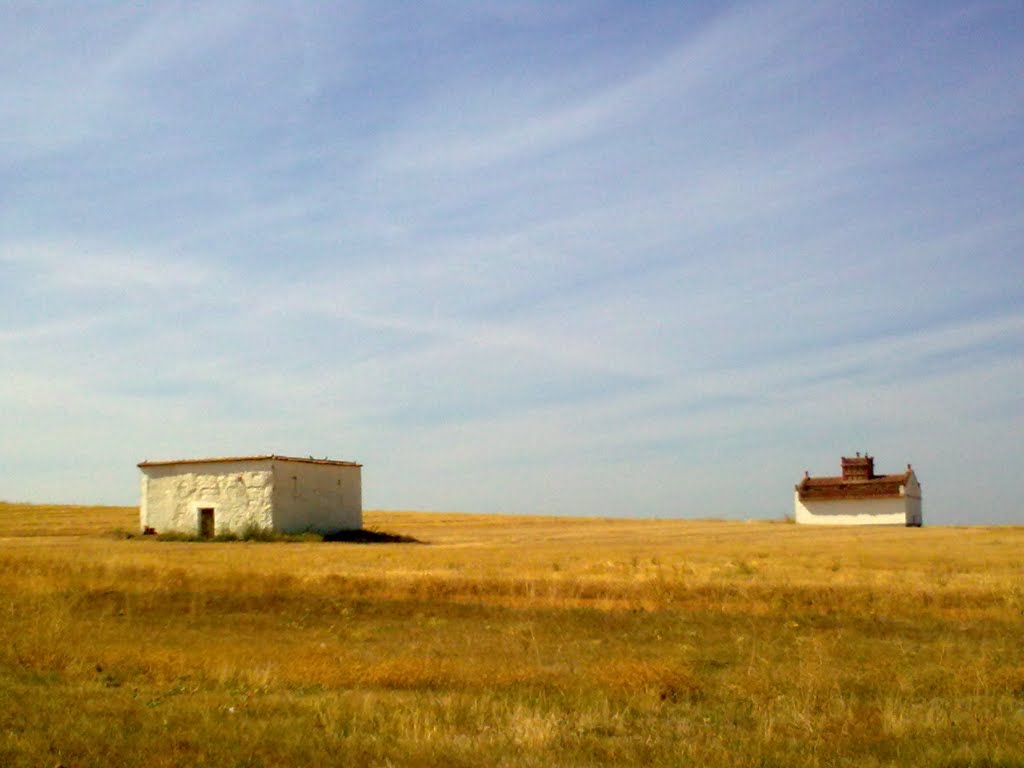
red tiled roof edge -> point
(882, 486)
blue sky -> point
(610, 258)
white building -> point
(859, 496)
(209, 497)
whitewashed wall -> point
(913, 494)
(239, 492)
(317, 497)
(892, 511)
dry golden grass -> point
(511, 641)
(64, 520)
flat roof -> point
(264, 457)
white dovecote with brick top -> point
(859, 496)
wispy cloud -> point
(618, 255)
(84, 266)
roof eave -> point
(230, 459)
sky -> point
(571, 258)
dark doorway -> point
(206, 523)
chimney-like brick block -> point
(858, 467)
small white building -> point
(209, 497)
(859, 496)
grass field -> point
(510, 641)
